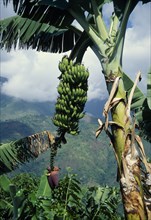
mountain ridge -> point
(83, 153)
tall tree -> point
(47, 25)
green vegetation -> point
(57, 33)
(25, 197)
(83, 153)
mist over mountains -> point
(93, 107)
(15, 113)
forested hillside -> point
(83, 153)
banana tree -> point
(46, 25)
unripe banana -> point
(71, 63)
(62, 67)
(65, 60)
(73, 132)
(72, 91)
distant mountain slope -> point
(13, 108)
(13, 130)
(87, 156)
(20, 118)
(93, 160)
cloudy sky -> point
(33, 75)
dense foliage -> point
(25, 197)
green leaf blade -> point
(149, 88)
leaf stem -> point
(102, 30)
(77, 13)
(118, 49)
(113, 27)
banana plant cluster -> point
(72, 97)
(70, 200)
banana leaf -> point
(141, 106)
(25, 33)
(17, 152)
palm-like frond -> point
(25, 33)
(49, 12)
(16, 152)
(56, 12)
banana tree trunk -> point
(123, 140)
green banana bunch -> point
(72, 91)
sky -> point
(32, 76)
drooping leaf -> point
(48, 12)
(44, 188)
(140, 106)
(6, 207)
(80, 47)
(61, 4)
(56, 8)
(149, 88)
(4, 183)
(25, 33)
(144, 118)
(5, 163)
(16, 152)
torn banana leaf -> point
(17, 152)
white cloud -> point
(97, 87)
(6, 11)
(33, 75)
(137, 52)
